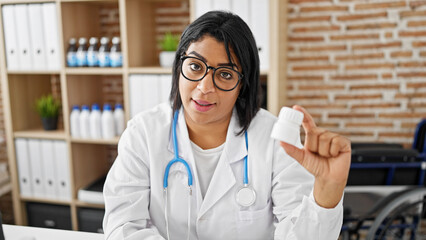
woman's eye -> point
(226, 75)
(195, 67)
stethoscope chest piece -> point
(246, 196)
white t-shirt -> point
(206, 162)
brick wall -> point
(359, 66)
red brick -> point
(315, 67)
(388, 35)
(412, 34)
(351, 115)
(309, 19)
(316, 29)
(400, 54)
(362, 16)
(327, 125)
(323, 48)
(321, 87)
(402, 115)
(354, 77)
(416, 105)
(422, 54)
(406, 14)
(416, 4)
(306, 39)
(375, 86)
(308, 58)
(412, 75)
(409, 95)
(354, 133)
(310, 97)
(369, 66)
(396, 134)
(376, 105)
(368, 124)
(331, 8)
(305, 78)
(385, 5)
(408, 125)
(324, 106)
(354, 37)
(371, 26)
(418, 44)
(416, 24)
(360, 56)
(387, 75)
(412, 64)
(416, 85)
(376, 45)
(357, 96)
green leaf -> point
(169, 42)
(47, 106)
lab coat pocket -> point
(256, 224)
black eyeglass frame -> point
(183, 57)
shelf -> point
(35, 72)
(112, 141)
(42, 134)
(45, 200)
(23, 1)
(93, 71)
(88, 1)
(150, 70)
(79, 203)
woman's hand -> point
(325, 155)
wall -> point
(359, 66)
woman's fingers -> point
(308, 121)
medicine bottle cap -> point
(82, 41)
(104, 40)
(72, 41)
(93, 40)
(85, 107)
(75, 107)
(115, 40)
(289, 114)
(107, 107)
(95, 107)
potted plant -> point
(48, 109)
(168, 47)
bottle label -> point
(103, 58)
(116, 59)
(71, 59)
(81, 58)
(92, 59)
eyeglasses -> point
(195, 69)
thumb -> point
(293, 151)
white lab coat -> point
(284, 207)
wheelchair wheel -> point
(402, 218)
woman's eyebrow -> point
(205, 60)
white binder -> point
(165, 85)
(24, 171)
(62, 169)
(260, 27)
(36, 165)
(38, 53)
(23, 35)
(144, 92)
(49, 169)
(10, 37)
(50, 21)
(202, 6)
(242, 9)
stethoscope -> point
(245, 196)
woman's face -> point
(203, 102)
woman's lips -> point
(202, 106)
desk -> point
(14, 232)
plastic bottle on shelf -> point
(92, 53)
(119, 119)
(82, 52)
(103, 55)
(107, 120)
(72, 53)
(115, 56)
(95, 122)
(75, 121)
(85, 122)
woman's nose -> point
(206, 84)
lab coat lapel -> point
(223, 178)
(185, 152)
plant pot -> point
(166, 58)
(50, 123)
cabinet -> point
(88, 159)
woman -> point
(219, 128)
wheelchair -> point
(386, 193)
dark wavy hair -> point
(230, 29)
